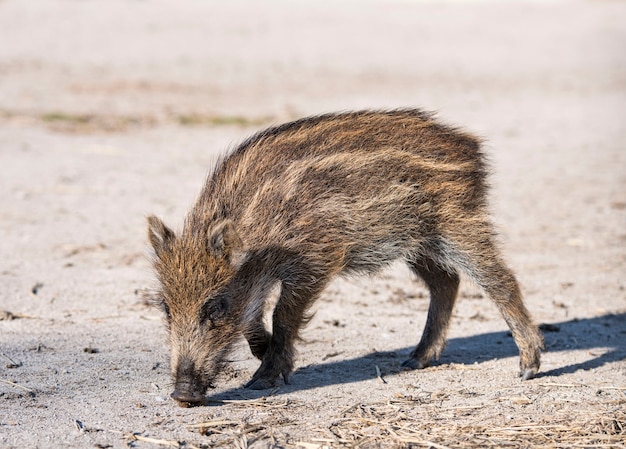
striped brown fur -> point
(300, 203)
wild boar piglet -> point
(300, 203)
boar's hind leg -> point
(503, 289)
(296, 295)
(443, 287)
(484, 265)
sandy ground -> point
(110, 111)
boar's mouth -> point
(190, 385)
(187, 397)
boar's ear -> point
(160, 236)
(225, 242)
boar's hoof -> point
(412, 363)
(260, 384)
(528, 373)
(186, 399)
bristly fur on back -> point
(346, 131)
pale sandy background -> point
(112, 110)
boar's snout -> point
(187, 397)
(188, 389)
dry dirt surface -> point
(113, 110)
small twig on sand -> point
(262, 401)
(169, 443)
(9, 316)
(553, 384)
(306, 445)
(379, 375)
(13, 384)
(216, 423)
(12, 363)
(414, 440)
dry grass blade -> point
(306, 445)
(379, 375)
(213, 427)
(215, 423)
(259, 402)
(167, 443)
(527, 428)
(239, 401)
(9, 316)
(12, 363)
(15, 385)
(418, 441)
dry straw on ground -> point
(404, 422)
(393, 425)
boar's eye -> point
(159, 303)
(214, 310)
(166, 310)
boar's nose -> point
(187, 398)
(188, 389)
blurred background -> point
(147, 62)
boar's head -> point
(194, 272)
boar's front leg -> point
(257, 336)
(299, 289)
